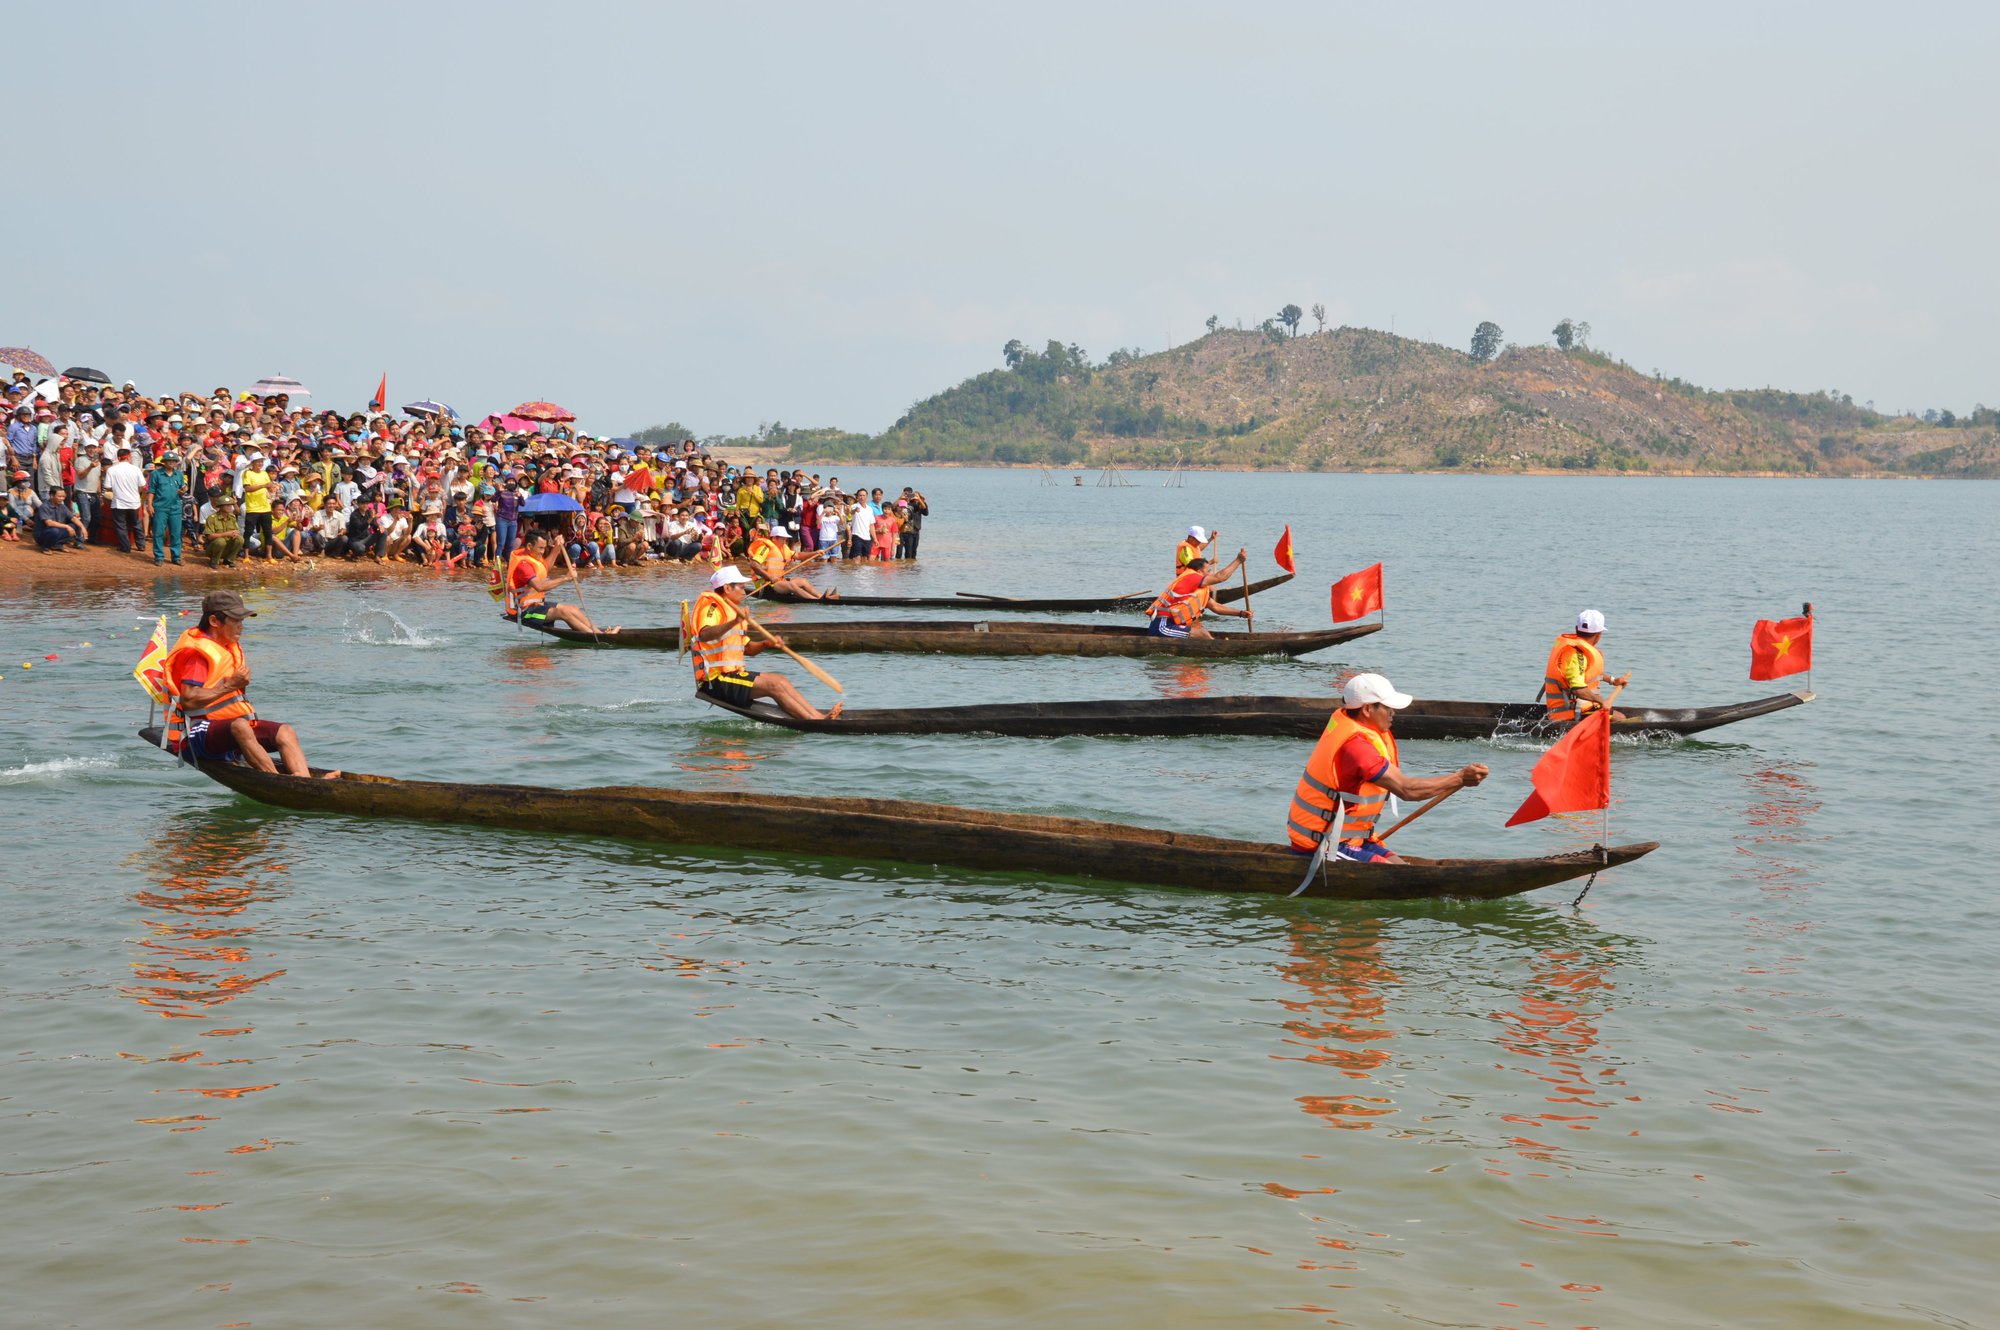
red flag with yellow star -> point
(1283, 554)
(1780, 646)
(1357, 594)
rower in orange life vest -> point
(208, 715)
(720, 642)
(1177, 612)
(1352, 772)
(1575, 668)
(528, 583)
(1193, 546)
(767, 556)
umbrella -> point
(512, 424)
(275, 385)
(428, 408)
(84, 374)
(20, 357)
(544, 411)
(551, 503)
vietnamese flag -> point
(381, 400)
(1357, 593)
(1575, 775)
(1780, 647)
(1283, 554)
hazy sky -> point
(820, 214)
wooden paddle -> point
(576, 580)
(811, 668)
(1249, 624)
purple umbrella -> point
(21, 357)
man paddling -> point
(1177, 611)
(208, 716)
(528, 583)
(769, 552)
(1193, 546)
(1575, 668)
(721, 641)
(1354, 765)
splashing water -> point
(54, 769)
(383, 628)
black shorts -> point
(731, 688)
(536, 615)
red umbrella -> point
(546, 412)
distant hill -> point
(1354, 399)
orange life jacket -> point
(221, 659)
(1319, 796)
(768, 554)
(718, 655)
(1183, 600)
(1190, 548)
(521, 594)
(1555, 693)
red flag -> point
(1573, 776)
(1283, 554)
(381, 402)
(1780, 647)
(1357, 594)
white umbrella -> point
(271, 385)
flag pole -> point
(1807, 612)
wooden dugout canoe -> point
(977, 637)
(971, 600)
(899, 831)
(1280, 717)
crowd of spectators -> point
(232, 477)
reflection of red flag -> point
(1357, 594)
(1573, 776)
(381, 402)
(1283, 554)
(1780, 647)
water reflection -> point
(1783, 802)
(1338, 1022)
(1180, 679)
(1554, 1035)
(208, 872)
(725, 758)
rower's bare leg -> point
(293, 755)
(780, 690)
(1199, 630)
(245, 735)
(572, 616)
(803, 590)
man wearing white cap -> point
(715, 632)
(768, 554)
(1576, 666)
(1193, 547)
(1355, 765)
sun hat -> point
(1198, 533)
(1590, 621)
(1364, 689)
(727, 575)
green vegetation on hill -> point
(1358, 399)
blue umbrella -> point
(428, 408)
(551, 503)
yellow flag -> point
(152, 667)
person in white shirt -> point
(125, 481)
(860, 529)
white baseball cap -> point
(1198, 533)
(1363, 689)
(726, 575)
(1590, 621)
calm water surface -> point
(268, 1069)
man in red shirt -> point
(1353, 770)
(213, 720)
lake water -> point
(267, 1069)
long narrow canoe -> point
(1281, 717)
(913, 833)
(969, 600)
(977, 637)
